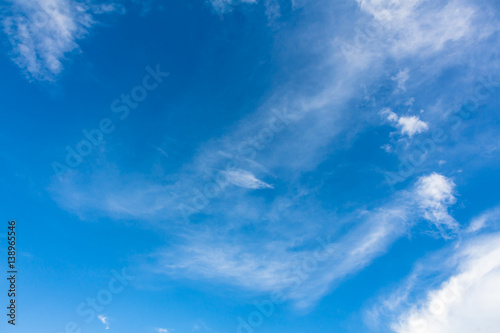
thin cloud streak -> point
(269, 265)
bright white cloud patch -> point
(435, 194)
(104, 320)
(467, 301)
(245, 179)
(412, 125)
(407, 125)
(43, 32)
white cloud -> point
(467, 301)
(265, 266)
(387, 148)
(401, 78)
(389, 115)
(267, 263)
(246, 179)
(162, 330)
(412, 125)
(262, 263)
(435, 193)
(104, 320)
(43, 32)
(490, 218)
(407, 125)
(234, 264)
(421, 27)
(353, 252)
(478, 223)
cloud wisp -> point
(252, 241)
(268, 265)
(43, 33)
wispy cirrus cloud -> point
(276, 263)
(485, 220)
(252, 241)
(43, 33)
(417, 26)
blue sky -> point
(252, 165)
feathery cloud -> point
(245, 179)
(44, 32)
